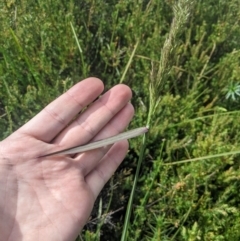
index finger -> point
(56, 116)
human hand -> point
(51, 198)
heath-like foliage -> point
(181, 59)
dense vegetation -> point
(188, 187)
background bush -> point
(189, 182)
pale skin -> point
(51, 198)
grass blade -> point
(105, 142)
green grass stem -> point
(84, 66)
(202, 158)
(130, 201)
(129, 62)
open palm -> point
(50, 198)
